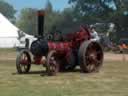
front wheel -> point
(52, 65)
(23, 62)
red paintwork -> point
(37, 60)
(24, 62)
(63, 48)
(75, 40)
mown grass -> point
(6, 50)
(112, 80)
(7, 54)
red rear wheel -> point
(91, 57)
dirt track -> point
(115, 57)
(7, 56)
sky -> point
(19, 4)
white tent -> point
(9, 33)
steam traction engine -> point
(63, 55)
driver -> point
(94, 35)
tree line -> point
(80, 12)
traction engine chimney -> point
(41, 15)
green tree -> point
(51, 18)
(7, 10)
(100, 10)
(93, 11)
(27, 21)
(67, 22)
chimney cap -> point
(41, 12)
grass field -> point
(112, 80)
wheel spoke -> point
(25, 67)
(23, 58)
(24, 62)
(91, 67)
(98, 62)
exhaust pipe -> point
(41, 15)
